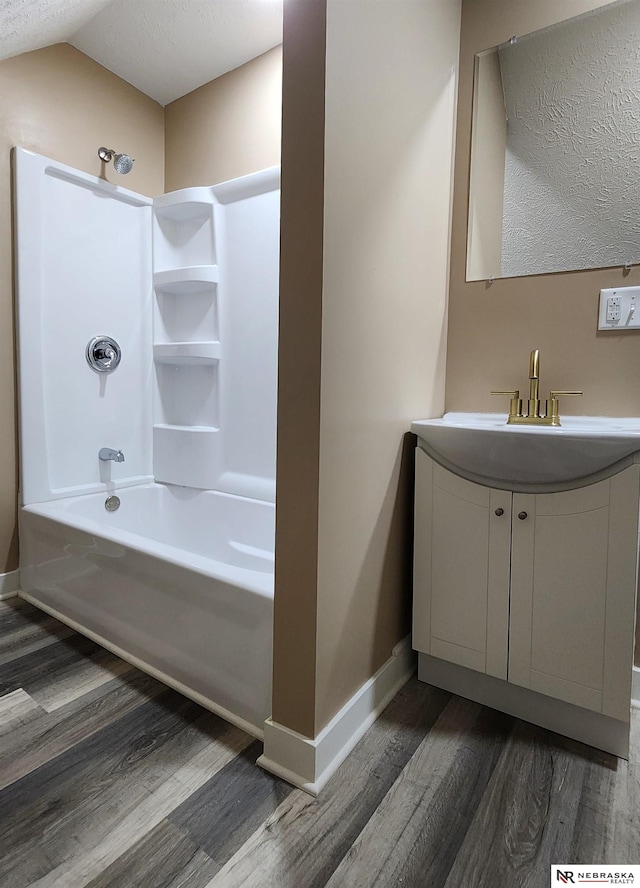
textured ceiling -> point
(32, 24)
(165, 48)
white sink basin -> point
(483, 447)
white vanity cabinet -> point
(537, 590)
(462, 545)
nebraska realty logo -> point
(613, 874)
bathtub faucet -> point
(106, 453)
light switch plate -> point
(619, 309)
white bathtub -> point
(178, 581)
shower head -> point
(122, 163)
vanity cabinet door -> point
(461, 569)
(573, 584)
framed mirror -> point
(555, 154)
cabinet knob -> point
(522, 515)
(499, 512)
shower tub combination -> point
(179, 582)
(165, 557)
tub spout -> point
(106, 453)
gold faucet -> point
(533, 416)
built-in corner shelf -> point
(183, 229)
(186, 455)
(185, 428)
(186, 352)
(186, 347)
(186, 280)
(184, 205)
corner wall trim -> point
(308, 764)
(635, 688)
(9, 584)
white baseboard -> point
(635, 688)
(9, 584)
(307, 763)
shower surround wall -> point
(179, 579)
(214, 350)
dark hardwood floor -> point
(110, 780)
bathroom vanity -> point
(525, 590)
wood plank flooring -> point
(108, 779)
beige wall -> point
(364, 264)
(227, 128)
(299, 361)
(492, 328)
(59, 103)
(389, 146)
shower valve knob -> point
(103, 354)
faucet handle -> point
(557, 394)
(553, 406)
(515, 404)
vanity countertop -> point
(483, 447)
